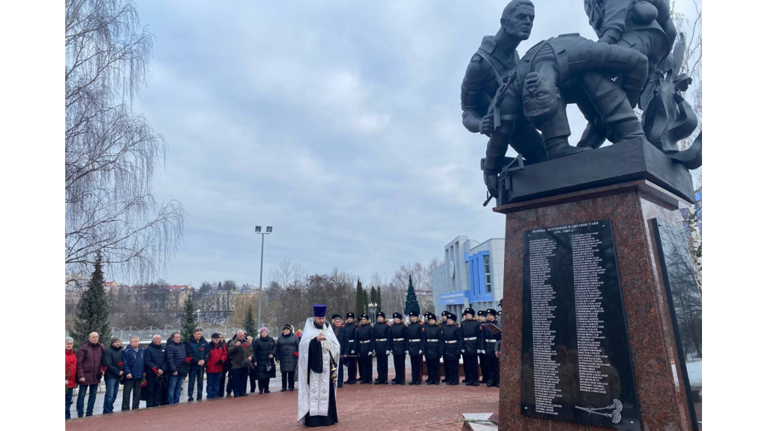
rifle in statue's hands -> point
(494, 107)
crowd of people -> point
(156, 373)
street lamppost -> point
(261, 267)
(198, 316)
(372, 308)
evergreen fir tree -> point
(361, 300)
(93, 312)
(411, 302)
(188, 320)
(249, 324)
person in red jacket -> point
(70, 370)
(217, 356)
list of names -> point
(587, 272)
(545, 376)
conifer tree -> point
(93, 312)
(411, 302)
(188, 320)
(361, 300)
(249, 324)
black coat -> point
(154, 357)
(364, 339)
(198, 350)
(343, 337)
(433, 341)
(415, 338)
(381, 342)
(111, 359)
(285, 348)
(398, 339)
(452, 340)
(176, 357)
(262, 348)
(491, 340)
(473, 337)
(352, 338)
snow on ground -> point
(694, 373)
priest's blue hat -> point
(320, 310)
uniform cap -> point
(491, 311)
(352, 315)
(468, 311)
(397, 315)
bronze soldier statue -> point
(645, 26)
(487, 70)
(642, 25)
(572, 69)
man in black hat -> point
(472, 345)
(491, 339)
(382, 345)
(452, 341)
(398, 335)
(415, 337)
(351, 358)
(343, 336)
(483, 363)
(364, 337)
(433, 348)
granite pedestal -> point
(630, 206)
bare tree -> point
(378, 280)
(297, 312)
(392, 297)
(111, 152)
(288, 273)
(393, 293)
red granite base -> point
(630, 207)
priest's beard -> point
(318, 325)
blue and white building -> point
(472, 275)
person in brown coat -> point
(89, 373)
(241, 355)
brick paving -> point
(382, 407)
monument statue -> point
(487, 70)
(521, 102)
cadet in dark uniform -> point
(399, 345)
(472, 345)
(491, 342)
(415, 337)
(351, 360)
(433, 349)
(452, 340)
(382, 345)
(443, 324)
(363, 341)
(483, 363)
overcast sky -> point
(337, 122)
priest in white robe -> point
(319, 354)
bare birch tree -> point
(111, 152)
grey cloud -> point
(338, 122)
